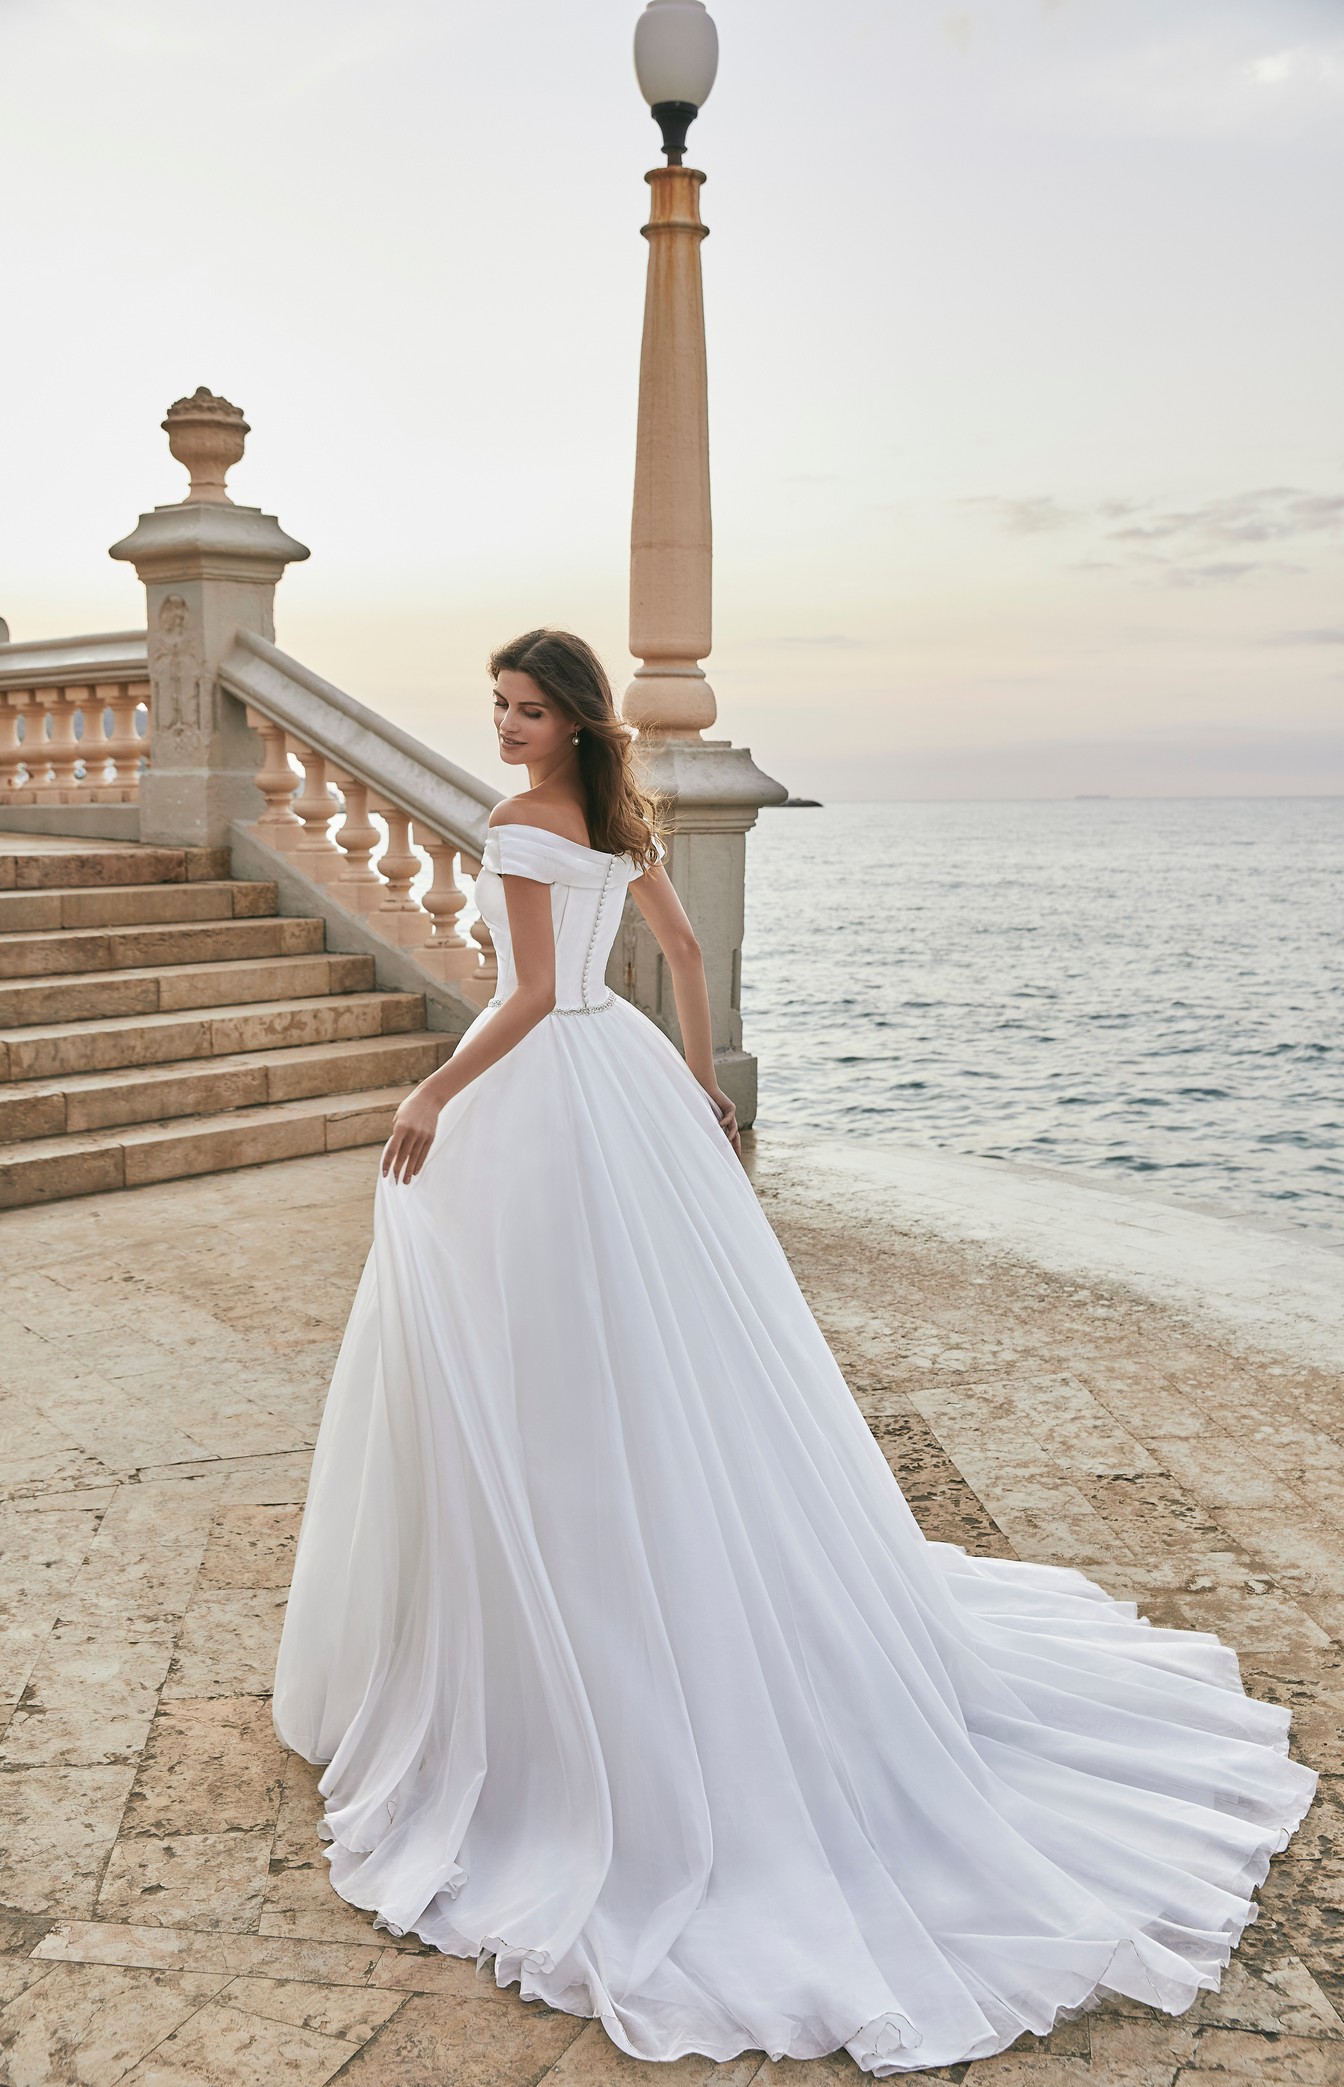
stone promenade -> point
(164, 1352)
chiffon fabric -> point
(629, 1664)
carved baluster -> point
(316, 807)
(94, 745)
(65, 748)
(482, 987)
(11, 744)
(37, 746)
(279, 825)
(34, 744)
(144, 714)
(400, 916)
(359, 884)
(123, 748)
(448, 953)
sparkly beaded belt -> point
(592, 1007)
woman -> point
(629, 1663)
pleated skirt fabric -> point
(632, 1670)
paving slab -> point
(1051, 1370)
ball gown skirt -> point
(629, 1664)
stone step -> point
(42, 1109)
(185, 942)
(57, 1050)
(47, 1170)
(133, 905)
(30, 862)
(151, 989)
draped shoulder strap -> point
(514, 849)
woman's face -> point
(532, 731)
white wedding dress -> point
(630, 1664)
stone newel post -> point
(209, 569)
(713, 788)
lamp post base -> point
(713, 791)
(669, 702)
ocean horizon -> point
(1147, 989)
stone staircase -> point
(159, 1018)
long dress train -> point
(628, 1661)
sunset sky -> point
(1026, 322)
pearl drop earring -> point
(573, 738)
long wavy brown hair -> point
(624, 814)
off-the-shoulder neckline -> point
(529, 826)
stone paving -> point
(164, 1354)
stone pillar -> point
(671, 545)
(714, 788)
(209, 569)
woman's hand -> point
(727, 1115)
(412, 1135)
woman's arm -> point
(533, 937)
(656, 897)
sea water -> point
(1141, 988)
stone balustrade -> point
(360, 824)
(74, 720)
(331, 768)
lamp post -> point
(714, 789)
(676, 57)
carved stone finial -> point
(206, 434)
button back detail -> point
(588, 1007)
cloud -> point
(957, 28)
(1177, 545)
(1206, 69)
(833, 641)
(1029, 517)
(1303, 64)
(1270, 514)
(1332, 634)
(1223, 572)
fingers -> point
(404, 1154)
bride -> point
(629, 1664)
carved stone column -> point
(670, 535)
(210, 569)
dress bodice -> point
(588, 888)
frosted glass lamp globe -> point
(676, 58)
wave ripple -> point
(1185, 960)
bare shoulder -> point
(552, 817)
